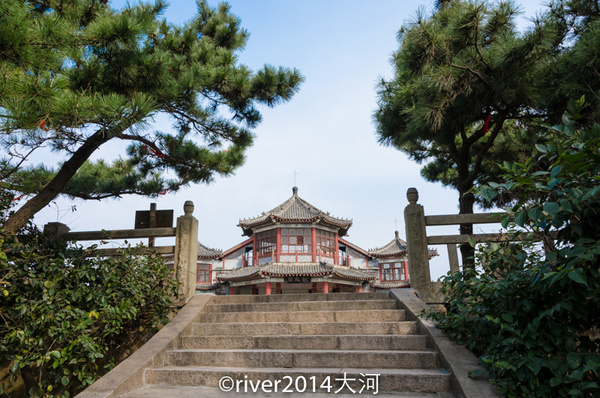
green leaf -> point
(577, 276)
(574, 360)
(555, 382)
(535, 214)
(551, 208)
(565, 205)
(508, 317)
(554, 171)
(520, 219)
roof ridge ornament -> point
(295, 191)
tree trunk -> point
(19, 219)
(466, 202)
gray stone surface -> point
(400, 380)
(186, 252)
(286, 298)
(257, 358)
(304, 328)
(416, 238)
(305, 316)
(309, 342)
(211, 392)
(346, 305)
(456, 358)
(330, 339)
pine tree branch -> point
(476, 44)
(197, 122)
(453, 149)
(469, 70)
(104, 196)
(145, 141)
(17, 220)
(488, 144)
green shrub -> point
(65, 316)
(528, 308)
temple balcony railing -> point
(250, 259)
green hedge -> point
(65, 317)
(528, 309)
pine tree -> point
(465, 83)
(75, 75)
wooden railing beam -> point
(109, 252)
(455, 219)
(119, 234)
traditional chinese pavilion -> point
(392, 263)
(297, 248)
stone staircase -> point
(316, 343)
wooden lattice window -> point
(266, 243)
(392, 272)
(203, 273)
(325, 244)
(296, 240)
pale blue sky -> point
(325, 133)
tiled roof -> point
(390, 285)
(206, 252)
(396, 248)
(353, 273)
(207, 286)
(293, 269)
(203, 252)
(300, 269)
(295, 209)
(432, 253)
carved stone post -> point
(416, 239)
(55, 229)
(186, 251)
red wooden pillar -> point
(254, 251)
(268, 288)
(336, 252)
(325, 287)
(278, 247)
(314, 244)
(359, 290)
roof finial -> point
(295, 190)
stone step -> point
(305, 316)
(303, 358)
(155, 391)
(304, 328)
(343, 305)
(280, 298)
(406, 380)
(316, 342)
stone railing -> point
(417, 240)
(185, 250)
